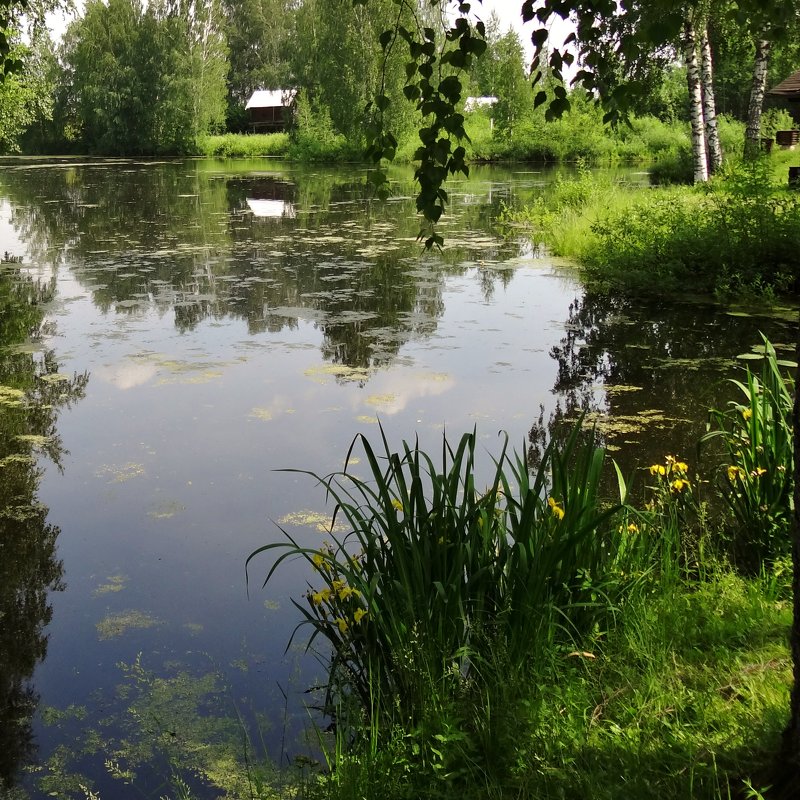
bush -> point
(736, 236)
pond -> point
(176, 333)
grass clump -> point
(244, 145)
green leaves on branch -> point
(434, 85)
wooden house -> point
(269, 110)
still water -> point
(176, 333)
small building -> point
(269, 110)
(788, 89)
(474, 103)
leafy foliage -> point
(757, 482)
(434, 577)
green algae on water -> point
(115, 625)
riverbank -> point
(579, 135)
(735, 237)
(635, 657)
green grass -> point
(244, 145)
(734, 237)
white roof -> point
(471, 103)
(270, 98)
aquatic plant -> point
(434, 575)
(756, 481)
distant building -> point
(474, 103)
(269, 110)
(789, 90)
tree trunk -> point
(699, 161)
(752, 133)
(709, 104)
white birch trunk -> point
(699, 160)
(752, 134)
(709, 104)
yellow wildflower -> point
(658, 469)
(318, 560)
(396, 504)
(633, 527)
(747, 413)
(735, 472)
(338, 585)
(678, 485)
(342, 623)
(345, 592)
(679, 466)
(359, 615)
(558, 512)
(317, 598)
(758, 472)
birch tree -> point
(696, 116)
(709, 103)
(752, 136)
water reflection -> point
(31, 392)
(272, 249)
(646, 373)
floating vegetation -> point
(313, 519)
(341, 372)
(56, 377)
(114, 583)
(119, 473)
(55, 716)
(194, 628)
(34, 440)
(115, 625)
(11, 397)
(381, 400)
(260, 412)
(693, 364)
(619, 389)
(367, 420)
(16, 458)
(166, 510)
(272, 605)
(620, 424)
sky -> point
(510, 17)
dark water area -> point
(173, 334)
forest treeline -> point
(145, 79)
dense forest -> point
(154, 78)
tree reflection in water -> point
(31, 393)
(647, 378)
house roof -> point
(789, 88)
(271, 98)
(472, 103)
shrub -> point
(738, 235)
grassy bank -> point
(735, 236)
(580, 134)
(531, 638)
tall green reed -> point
(756, 433)
(436, 574)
